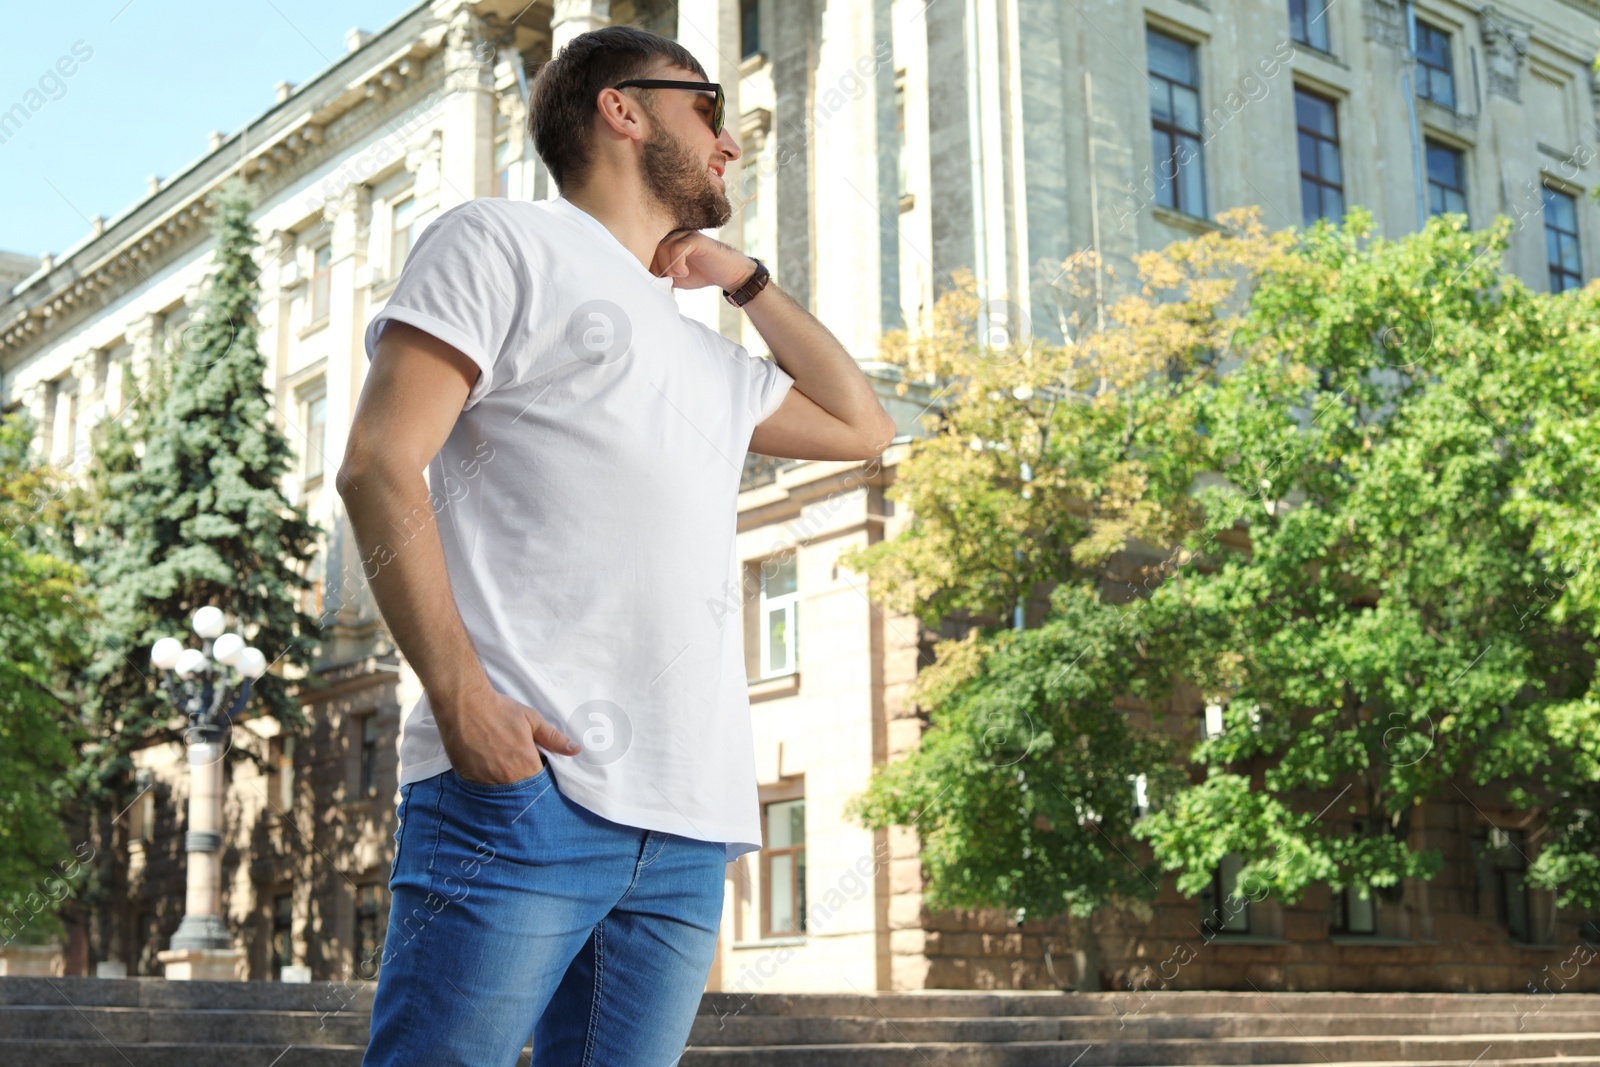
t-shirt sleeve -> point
(769, 384)
(461, 284)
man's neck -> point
(637, 224)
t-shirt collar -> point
(582, 216)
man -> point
(562, 580)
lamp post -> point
(198, 683)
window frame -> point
(319, 295)
(1307, 22)
(1319, 138)
(749, 29)
(1175, 133)
(1559, 273)
(797, 868)
(1447, 71)
(368, 737)
(397, 255)
(313, 450)
(766, 606)
(1429, 145)
(276, 959)
(1219, 893)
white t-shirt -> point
(587, 504)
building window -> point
(282, 933)
(1321, 178)
(779, 611)
(280, 772)
(783, 869)
(1561, 240)
(371, 916)
(369, 755)
(1355, 910)
(1447, 179)
(402, 233)
(749, 28)
(1308, 23)
(1507, 862)
(1436, 78)
(1175, 123)
(321, 280)
(142, 811)
(1222, 907)
(313, 402)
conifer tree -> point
(185, 507)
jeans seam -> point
(599, 991)
(402, 1015)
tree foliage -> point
(42, 641)
(185, 507)
(1335, 485)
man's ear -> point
(621, 114)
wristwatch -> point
(746, 292)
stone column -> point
(857, 239)
(202, 948)
(348, 610)
(572, 17)
(465, 169)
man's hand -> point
(491, 738)
(692, 260)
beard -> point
(680, 181)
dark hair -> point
(562, 108)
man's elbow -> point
(359, 466)
(876, 440)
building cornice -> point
(282, 141)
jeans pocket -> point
(495, 789)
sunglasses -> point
(700, 87)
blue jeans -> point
(517, 911)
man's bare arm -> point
(831, 411)
(409, 404)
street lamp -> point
(208, 686)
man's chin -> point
(712, 213)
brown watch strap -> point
(757, 282)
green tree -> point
(185, 508)
(42, 615)
(1335, 485)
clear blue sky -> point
(162, 74)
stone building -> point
(887, 143)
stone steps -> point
(264, 1024)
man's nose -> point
(728, 145)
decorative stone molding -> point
(351, 215)
(1385, 22)
(1505, 49)
(423, 160)
(469, 52)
